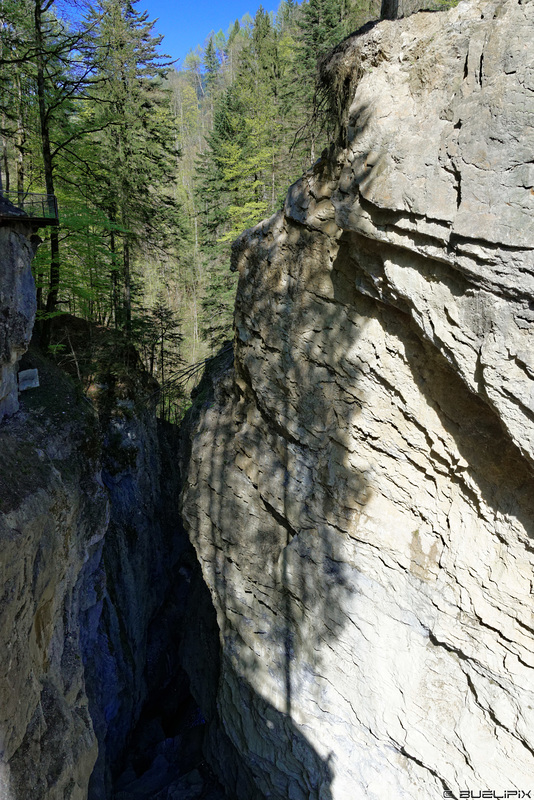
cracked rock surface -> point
(361, 489)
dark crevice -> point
(152, 666)
(265, 605)
(458, 185)
(458, 238)
(281, 520)
(487, 709)
(424, 766)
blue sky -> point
(186, 23)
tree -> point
(50, 70)
(137, 142)
(211, 67)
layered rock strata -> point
(361, 489)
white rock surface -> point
(361, 493)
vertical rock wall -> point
(17, 307)
(133, 570)
(100, 599)
(53, 515)
(361, 493)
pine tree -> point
(137, 143)
(322, 27)
(211, 67)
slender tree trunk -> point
(162, 356)
(21, 142)
(127, 289)
(39, 278)
(3, 118)
(195, 320)
(114, 278)
(5, 159)
(273, 194)
(53, 286)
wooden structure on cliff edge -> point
(38, 209)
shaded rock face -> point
(360, 492)
(17, 307)
(105, 624)
(395, 9)
(132, 640)
(53, 515)
(126, 571)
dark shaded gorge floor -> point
(164, 758)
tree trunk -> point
(21, 142)
(5, 161)
(53, 286)
(114, 278)
(127, 289)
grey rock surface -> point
(361, 488)
(97, 585)
(53, 515)
(28, 379)
(132, 647)
(396, 9)
(17, 307)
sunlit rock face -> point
(360, 492)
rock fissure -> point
(492, 716)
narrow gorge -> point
(322, 586)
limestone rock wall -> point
(17, 307)
(395, 9)
(98, 582)
(132, 575)
(53, 515)
(360, 492)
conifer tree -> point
(211, 66)
(137, 143)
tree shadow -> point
(276, 483)
(279, 486)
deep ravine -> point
(112, 661)
(357, 481)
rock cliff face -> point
(53, 515)
(141, 582)
(361, 490)
(17, 306)
(100, 598)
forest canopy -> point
(156, 166)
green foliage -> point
(157, 170)
(211, 66)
